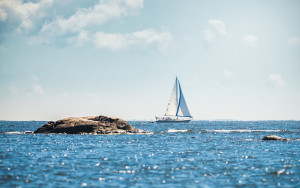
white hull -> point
(169, 119)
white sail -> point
(182, 107)
(173, 102)
(177, 105)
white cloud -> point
(35, 78)
(215, 28)
(218, 25)
(111, 41)
(37, 40)
(23, 13)
(136, 4)
(293, 41)
(82, 38)
(3, 15)
(37, 89)
(83, 26)
(251, 41)
(209, 36)
(97, 15)
(150, 36)
(140, 38)
(275, 80)
(28, 15)
(228, 74)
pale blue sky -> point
(234, 59)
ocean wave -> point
(17, 132)
(243, 130)
(177, 130)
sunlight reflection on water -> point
(209, 154)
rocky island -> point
(89, 125)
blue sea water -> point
(195, 154)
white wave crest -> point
(17, 132)
(243, 130)
(14, 132)
(175, 130)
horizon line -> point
(191, 120)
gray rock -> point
(89, 125)
(273, 137)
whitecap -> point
(17, 132)
(243, 130)
(14, 132)
(176, 130)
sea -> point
(194, 154)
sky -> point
(234, 59)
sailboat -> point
(177, 110)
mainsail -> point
(177, 105)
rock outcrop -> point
(273, 137)
(89, 125)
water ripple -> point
(197, 154)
